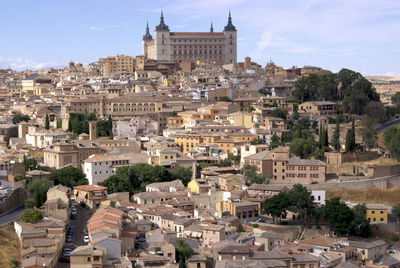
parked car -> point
(70, 229)
(70, 245)
(68, 238)
(65, 258)
(72, 216)
(73, 210)
(86, 239)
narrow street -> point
(79, 224)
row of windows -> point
(374, 219)
(200, 52)
(198, 40)
(112, 171)
(300, 175)
(373, 211)
(312, 168)
(113, 162)
(175, 47)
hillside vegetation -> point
(9, 246)
(389, 197)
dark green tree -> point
(47, 122)
(31, 216)
(110, 126)
(20, 117)
(250, 175)
(117, 184)
(280, 113)
(396, 211)
(183, 174)
(376, 110)
(394, 145)
(30, 163)
(37, 190)
(225, 163)
(183, 252)
(388, 135)
(59, 123)
(339, 216)
(301, 147)
(349, 137)
(301, 202)
(360, 225)
(323, 138)
(274, 142)
(68, 176)
(336, 137)
(368, 132)
(396, 99)
(276, 206)
(256, 141)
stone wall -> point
(15, 199)
(355, 183)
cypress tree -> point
(353, 136)
(349, 136)
(69, 125)
(47, 122)
(336, 137)
(326, 138)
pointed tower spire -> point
(211, 28)
(229, 26)
(147, 36)
(162, 26)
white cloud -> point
(23, 64)
(94, 28)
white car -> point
(86, 239)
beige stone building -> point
(118, 64)
(317, 108)
(64, 154)
(219, 47)
(279, 166)
(88, 256)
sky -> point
(362, 35)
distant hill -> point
(383, 78)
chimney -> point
(92, 130)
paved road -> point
(387, 125)
(11, 216)
(79, 224)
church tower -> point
(147, 38)
(162, 41)
(230, 34)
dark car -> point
(314, 182)
(64, 258)
(70, 246)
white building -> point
(318, 197)
(248, 149)
(99, 167)
(135, 127)
(42, 139)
